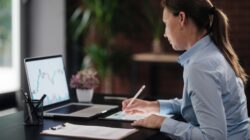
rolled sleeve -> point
(170, 106)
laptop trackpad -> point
(69, 109)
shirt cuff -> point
(165, 107)
(169, 126)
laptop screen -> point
(46, 75)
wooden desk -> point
(12, 128)
(153, 59)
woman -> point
(213, 104)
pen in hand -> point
(136, 95)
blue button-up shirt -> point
(213, 102)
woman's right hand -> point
(140, 106)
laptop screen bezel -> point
(26, 60)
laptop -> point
(46, 75)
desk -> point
(152, 59)
(155, 58)
(12, 128)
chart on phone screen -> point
(120, 115)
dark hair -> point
(206, 16)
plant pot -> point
(157, 46)
(84, 95)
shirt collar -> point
(186, 56)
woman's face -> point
(173, 30)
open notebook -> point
(46, 75)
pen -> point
(58, 127)
(34, 108)
(27, 102)
(40, 101)
(26, 98)
(29, 113)
(136, 95)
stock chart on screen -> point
(47, 77)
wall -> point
(47, 27)
(43, 32)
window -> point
(9, 45)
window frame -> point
(10, 76)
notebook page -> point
(85, 131)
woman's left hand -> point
(152, 121)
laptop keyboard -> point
(69, 109)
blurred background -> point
(123, 39)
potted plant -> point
(107, 62)
(85, 81)
(94, 19)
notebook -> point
(46, 75)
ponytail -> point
(220, 36)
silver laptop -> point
(46, 75)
